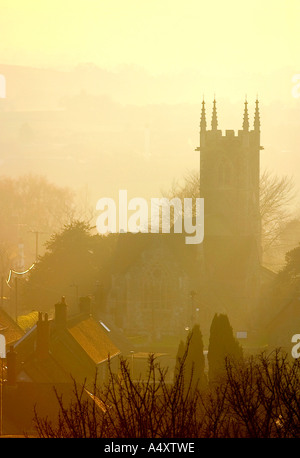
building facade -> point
(162, 286)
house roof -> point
(92, 338)
(116, 335)
(75, 350)
(9, 328)
(47, 370)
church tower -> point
(229, 184)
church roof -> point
(130, 247)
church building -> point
(160, 285)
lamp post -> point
(37, 233)
(75, 285)
(190, 317)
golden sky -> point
(159, 35)
(231, 47)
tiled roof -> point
(9, 328)
(43, 371)
(90, 335)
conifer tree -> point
(194, 363)
(222, 344)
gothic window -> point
(156, 289)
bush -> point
(258, 397)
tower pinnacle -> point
(246, 117)
(203, 117)
(214, 120)
(256, 117)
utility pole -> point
(75, 285)
(191, 318)
(37, 243)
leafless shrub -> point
(258, 397)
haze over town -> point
(126, 80)
(193, 100)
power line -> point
(12, 271)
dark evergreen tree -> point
(222, 344)
(194, 363)
(179, 356)
(73, 263)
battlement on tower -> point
(229, 135)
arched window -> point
(156, 289)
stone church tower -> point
(229, 184)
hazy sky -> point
(189, 47)
(222, 37)
(232, 47)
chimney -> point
(85, 305)
(11, 362)
(61, 314)
(42, 337)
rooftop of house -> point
(9, 328)
(54, 349)
(91, 337)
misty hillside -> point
(88, 119)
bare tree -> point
(127, 408)
(275, 195)
(258, 397)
